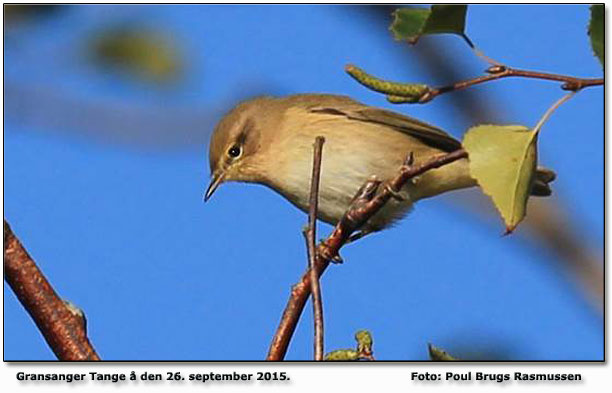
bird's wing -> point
(432, 136)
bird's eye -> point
(234, 151)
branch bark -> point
(317, 302)
(369, 199)
(499, 71)
(62, 326)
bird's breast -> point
(353, 152)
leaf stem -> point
(550, 110)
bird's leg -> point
(365, 193)
(408, 161)
(349, 221)
(355, 236)
(323, 250)
(368, 191)
(406, 165)
(394, 194)
(321, 247)
(363, 196)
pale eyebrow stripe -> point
(246, 129)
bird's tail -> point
(540, 186)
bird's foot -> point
(324, 251)
(394, 194)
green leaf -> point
(503, 159)
(596, 31)
(437, 354)
(364, 341)
(411, 23)
(408, 23)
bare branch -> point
(62, 325)
(499, 71)
(369, 199)
(317, 302)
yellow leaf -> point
(437, 354)
(503, 161)
(342, 354)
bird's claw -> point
(324, 251)
(395, 194)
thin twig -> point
(369, 199)
(62, 326)
(550, 110)
(317, 302)
(498, 72)
(478, 52)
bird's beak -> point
(215, 182)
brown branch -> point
(62, 326)
(317, 302)
(367, 202)
(499, 71)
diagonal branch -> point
(317, 302)
(62, 324)
(369, 199)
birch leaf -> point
(342, 355)
(503, 161)
(411, 23)
(596, 31)
(439, 355)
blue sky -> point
(113, 214)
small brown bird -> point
(270, 140)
